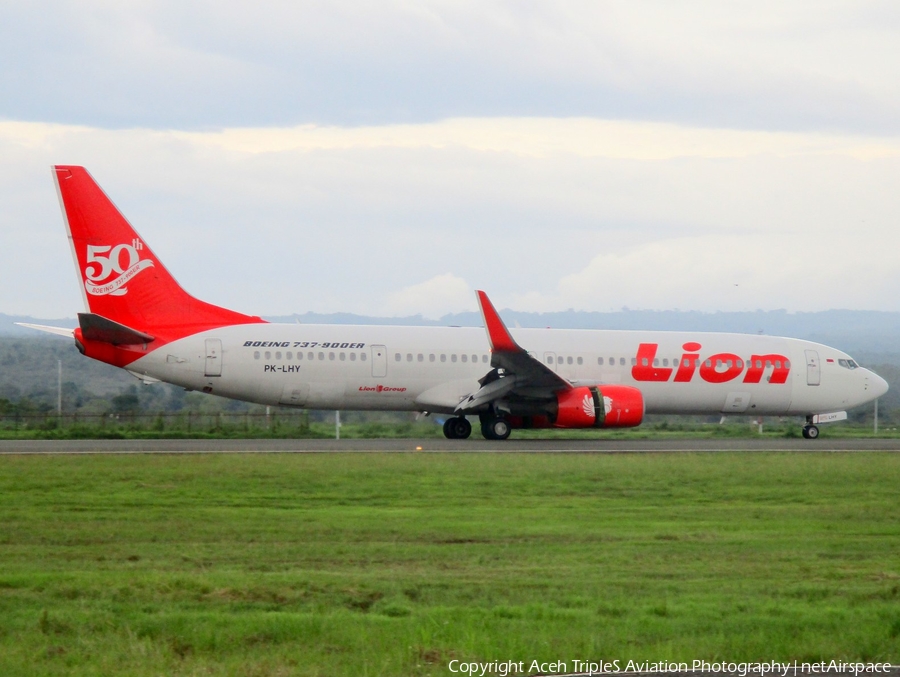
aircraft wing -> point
(516, 375)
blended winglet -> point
(498, 335)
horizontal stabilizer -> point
(61, 331)
(98, 328)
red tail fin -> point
(121, 278)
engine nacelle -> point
(605, 406)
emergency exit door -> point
(813, 369)
(379, 361)
(213, 357)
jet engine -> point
(604, 406)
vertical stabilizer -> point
(121, 278)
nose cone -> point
(877, 386)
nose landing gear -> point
(810, 431)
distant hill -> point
(856, 331)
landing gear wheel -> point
(810, 432)
(496, 429)
(457, 428)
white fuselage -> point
(433, 368)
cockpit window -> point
(848, 364)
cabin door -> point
(379, 361)
(813, 369)
(213, 357)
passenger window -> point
(289, 355)
(352, 357)
(464, 358)
(759, 364)
(622, 361)
(268, 355)
(453, 357)
(580, 361)
(569, 360)
(343, 356)
(600, 361)
(362, 357)
(665, 361)
(787, 364)
(322, 356)
(474, 359)
(409, 357)
(420, 357)
(278, 355)
(397, 357)
(431, 357)
(255, 354)
(331, 356)
(644, 362)
(778, 364)
(310, 356)
(709, 363)
(484, 358)
(549, 359)
(443, 357)
(656, 362)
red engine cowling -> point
(606, 406)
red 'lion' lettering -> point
(730, 361)
(643, 370)
(718, 368)
(758, 363)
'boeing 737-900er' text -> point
(140, 319)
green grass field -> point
(369, 564)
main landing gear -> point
(457, 428)
(495, 428)
(492, 427)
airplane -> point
(139, 318)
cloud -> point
(542, 213)
(435, 297)
(727, 272)
(175, 65)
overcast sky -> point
(387, 158)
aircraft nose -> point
(877, 386)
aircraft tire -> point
(811, 432)
(496, 429)
(461, 428)
(449, 429)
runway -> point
(472, 445)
